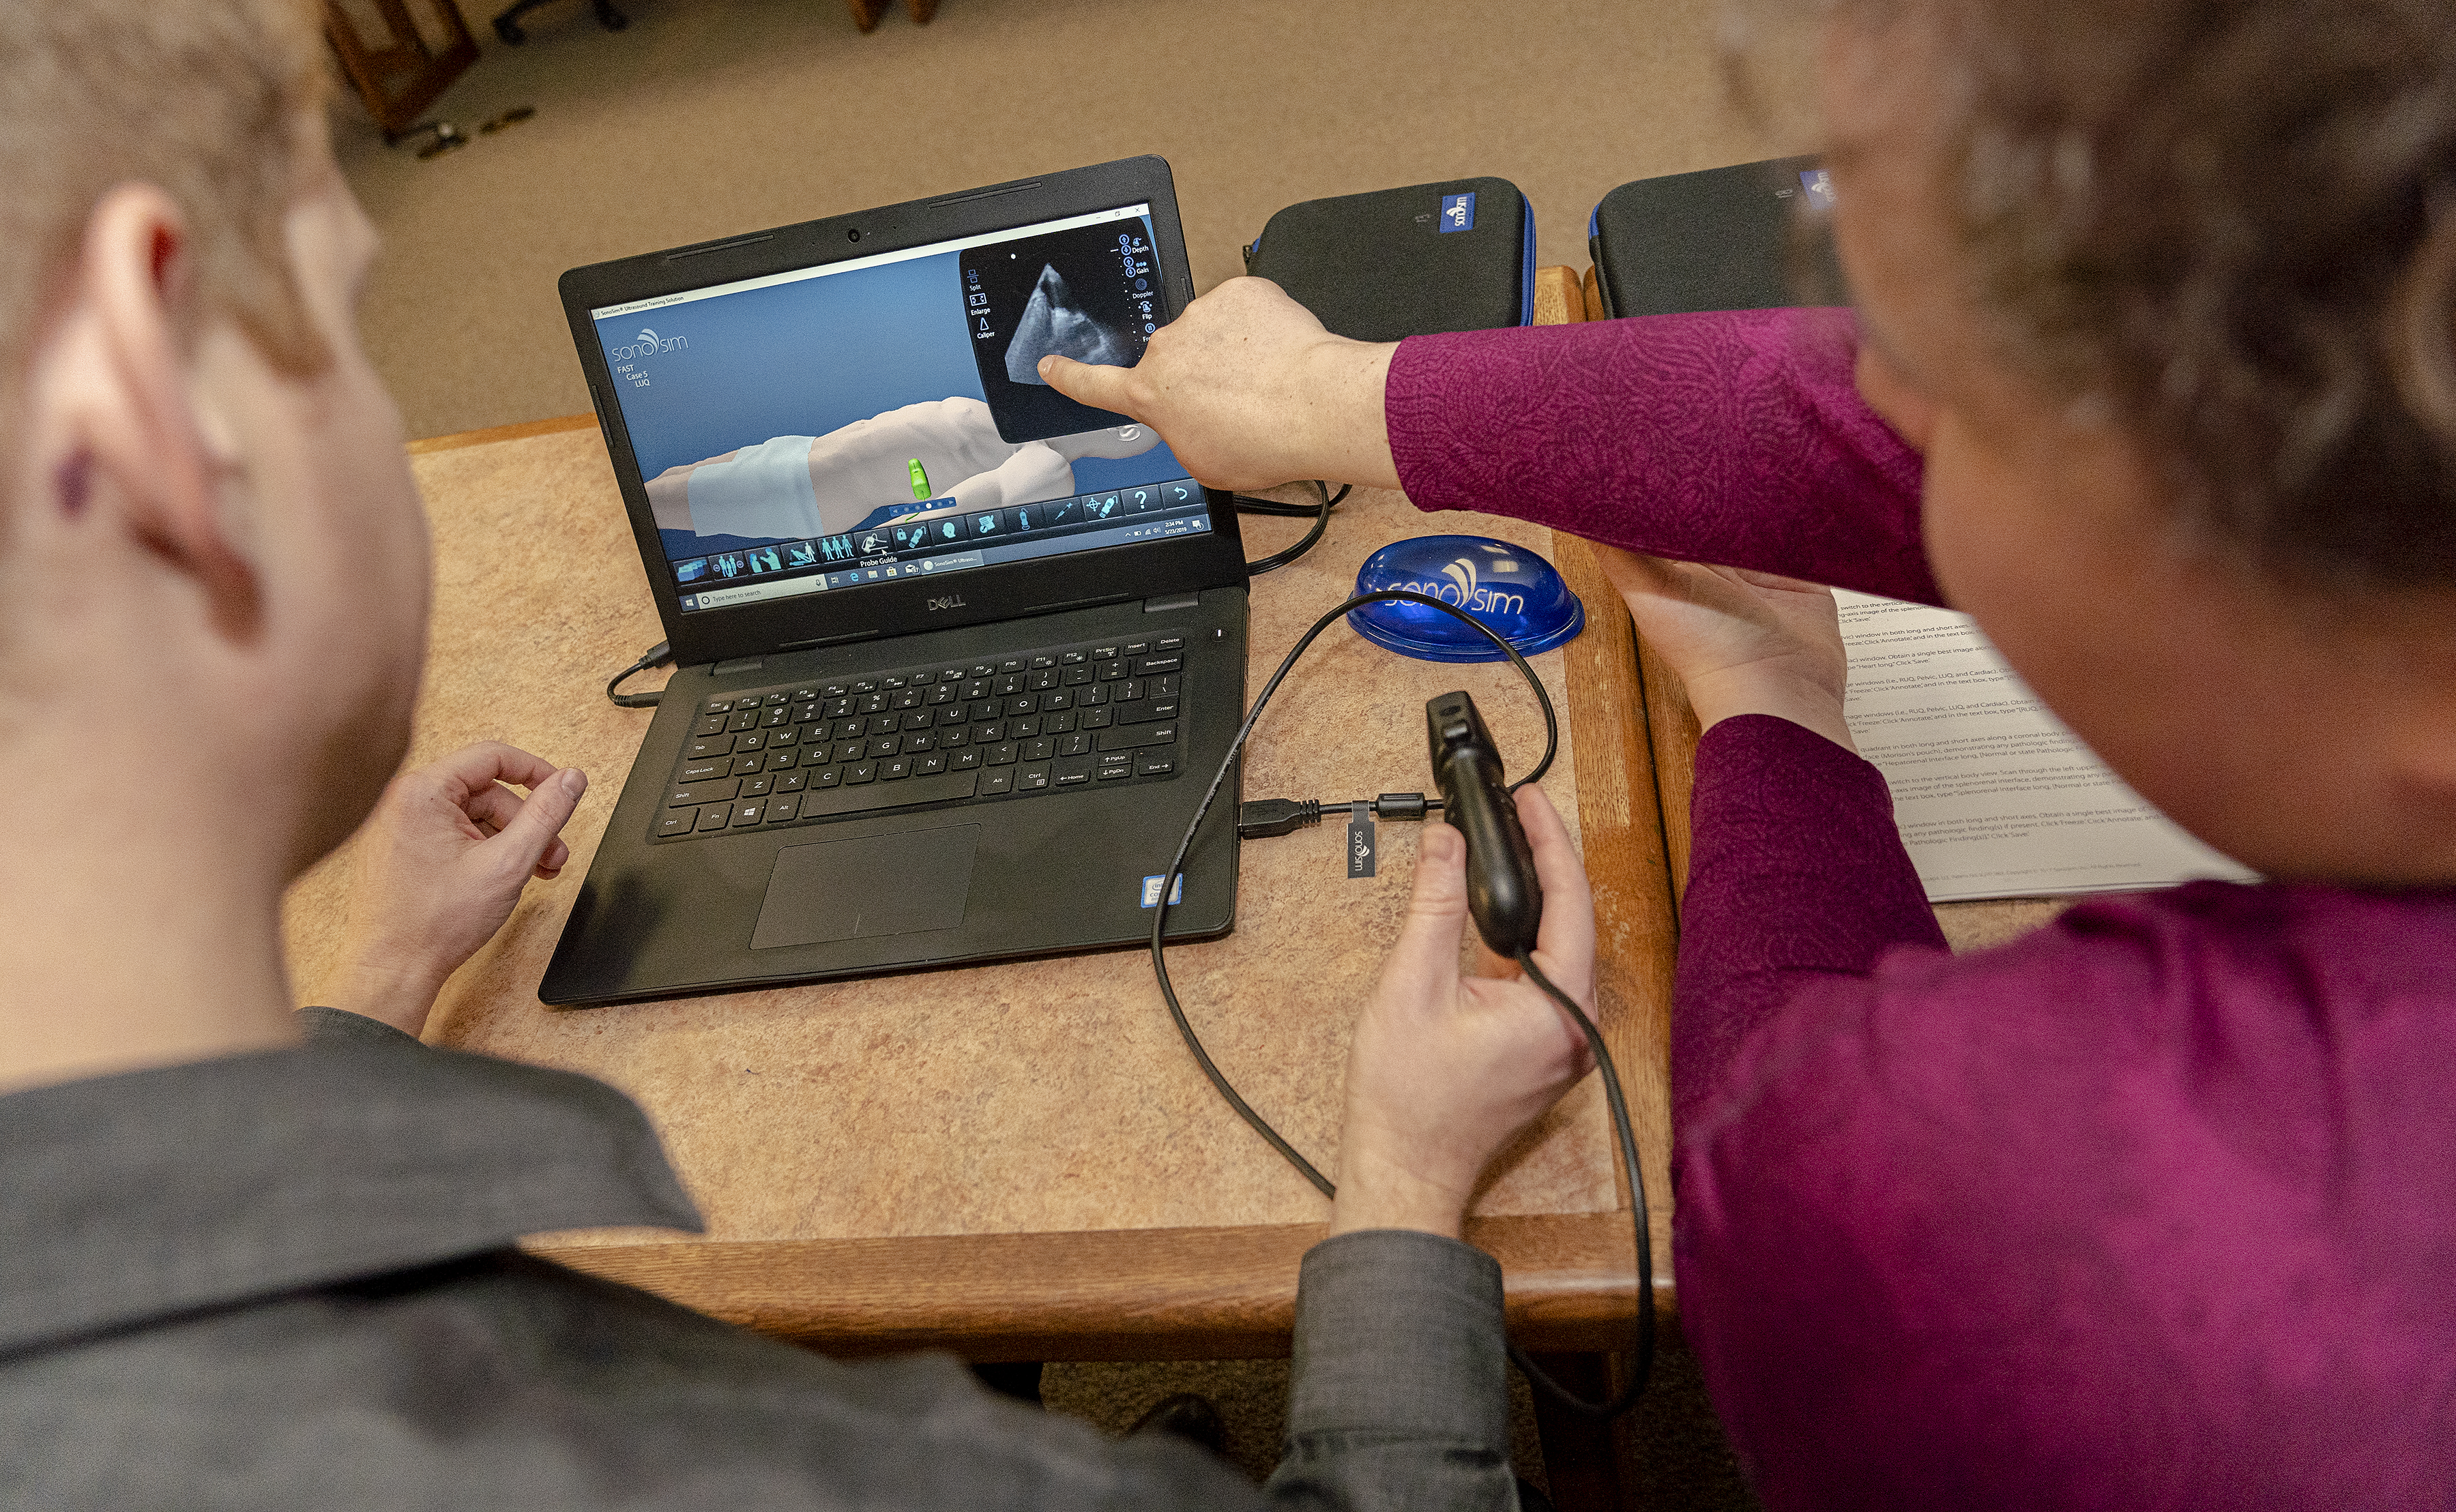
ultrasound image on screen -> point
(1090, 293)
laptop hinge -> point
(740, 664)
(826, 639)
(1175, 600)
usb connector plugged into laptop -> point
(1265, 817)
(657, 655)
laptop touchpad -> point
(849, 890)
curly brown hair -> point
(2232, 225)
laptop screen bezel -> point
(842, 617)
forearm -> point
(1399, 1396)
(1796, 875)
(1734, 438)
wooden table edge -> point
(1568, 1283)
(502, 433)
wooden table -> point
(1021, 1161)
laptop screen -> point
(879, 419)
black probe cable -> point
(1272, 506)
(1622, 1129)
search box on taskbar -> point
(751, 592)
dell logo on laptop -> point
(952, 601)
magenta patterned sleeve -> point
(1736, 437)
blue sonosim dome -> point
(1508, 587)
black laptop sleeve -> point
(1743, 238)
(1401, 262)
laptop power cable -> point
(657, 655)
(1319, 513)
(1266, 817)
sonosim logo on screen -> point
(647, 343)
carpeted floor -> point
(712, 116)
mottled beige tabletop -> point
(1043, 1096)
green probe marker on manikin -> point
(920, 479)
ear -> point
(137, 400)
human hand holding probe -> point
(1445, 1070)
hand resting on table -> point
(438, 868)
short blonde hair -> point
(201, 98)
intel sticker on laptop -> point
(1458, 212)
(1151, 891)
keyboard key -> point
(678, 822)
(777, 715)
(787, 736)
(932, 765)
(1001, 781)
(944, 788)
(1039, 751)
(747, 815)
(717, 706)
(886, 745)
(826, 777)
(1057, 724)
(1110, 671)
(909, 697)
(1154, 763)
(758, 787)
(1012, 664)
(1093, 695)
(817, 755)
(919, 719)
(1137, 648)
(1038, 681)
(884, 724)
(835, 690)
(958, 736)
(1148, 710)
(708, 724)
(865, 685)
(803, 713)
(1149, 665)
(897, 770)
(954, 714)
(792, 782)
(754, 740)
(891, 684)
(1073, 744)
(745, 766)
(706, 771)
(858, 772)
(1020, 728)
(835, 709)
(780, 809)
(989, 734)
(1071, 774)
(1073, 658)
(1012, 683)
(1171, 643)
(783, 761)
(704, 794)
(1022, 704)
(777, 697)
(869, 703)
(703, 749)
(852, 750)
(746, 719)
(1002, 755)
(1126, 692)
(1131, 736)
(1108, 773)
(716, 816)
(1162, 688)
(1099, 718)
(1056, 698)
(964, 760)
(915, 745)
(1031, 779)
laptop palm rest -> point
(851, 889)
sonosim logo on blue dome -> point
(1460, 586)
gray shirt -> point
(287, 1279)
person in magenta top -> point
(2152, 372)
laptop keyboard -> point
(1013, 726)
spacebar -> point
(901, 794)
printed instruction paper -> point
(1995, 798)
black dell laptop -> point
(957, 654)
